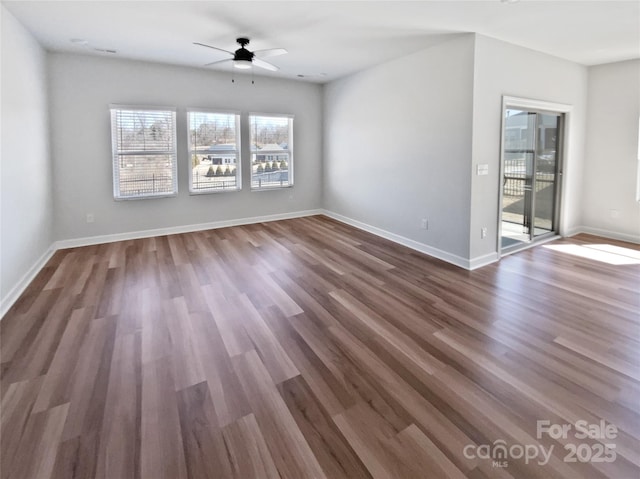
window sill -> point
(147, 197)
(214, 192)
(271, 188)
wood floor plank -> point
(37, 357)
(395, 339)
(161, 451)
(36, 454)
(279, 298)
(273, 355)
(185, 361)
(15, 411)
(228, 319)
(17, 336)
(447, 434)
(420, 446)
(204, 449)
(334, 454)
(248, 451)
(55, 388)
(333, 396)
(369, 458)
(226, 391)
(620, 366)
(306, 348)
(290, 450)
(90, 379)
(76, 457)
(119, 453)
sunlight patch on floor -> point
(605, 253)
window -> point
(144, 152)
(271, 151)
(214, 151)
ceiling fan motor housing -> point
(242, 53)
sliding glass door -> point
(545, 169)
(532, 145)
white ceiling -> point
(329, 39)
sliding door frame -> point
(538, 106)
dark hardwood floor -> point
(307, 348)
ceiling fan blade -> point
(266, 65)
(226, 60)
(271, 52)
(214, 48)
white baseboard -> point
(416, 245)
(171, 230)
(480, 261)
(571, 232)
(604, 233)
(12, 296)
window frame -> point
(238, 150)
(638, 165)
(288, 151)
(116, 154)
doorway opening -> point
(533, 142)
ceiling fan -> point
(244, 59)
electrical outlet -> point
(90, 218)
(424, 224)
(483, 232)
(614, 213)
(482, 170)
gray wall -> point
(611, 169)
(26, 209)
(398, 145)
(82, 87)
(505, 69)
(426, 121)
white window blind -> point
(144, 152)
(271, 151)
(214, 151)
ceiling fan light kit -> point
(242, 64)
